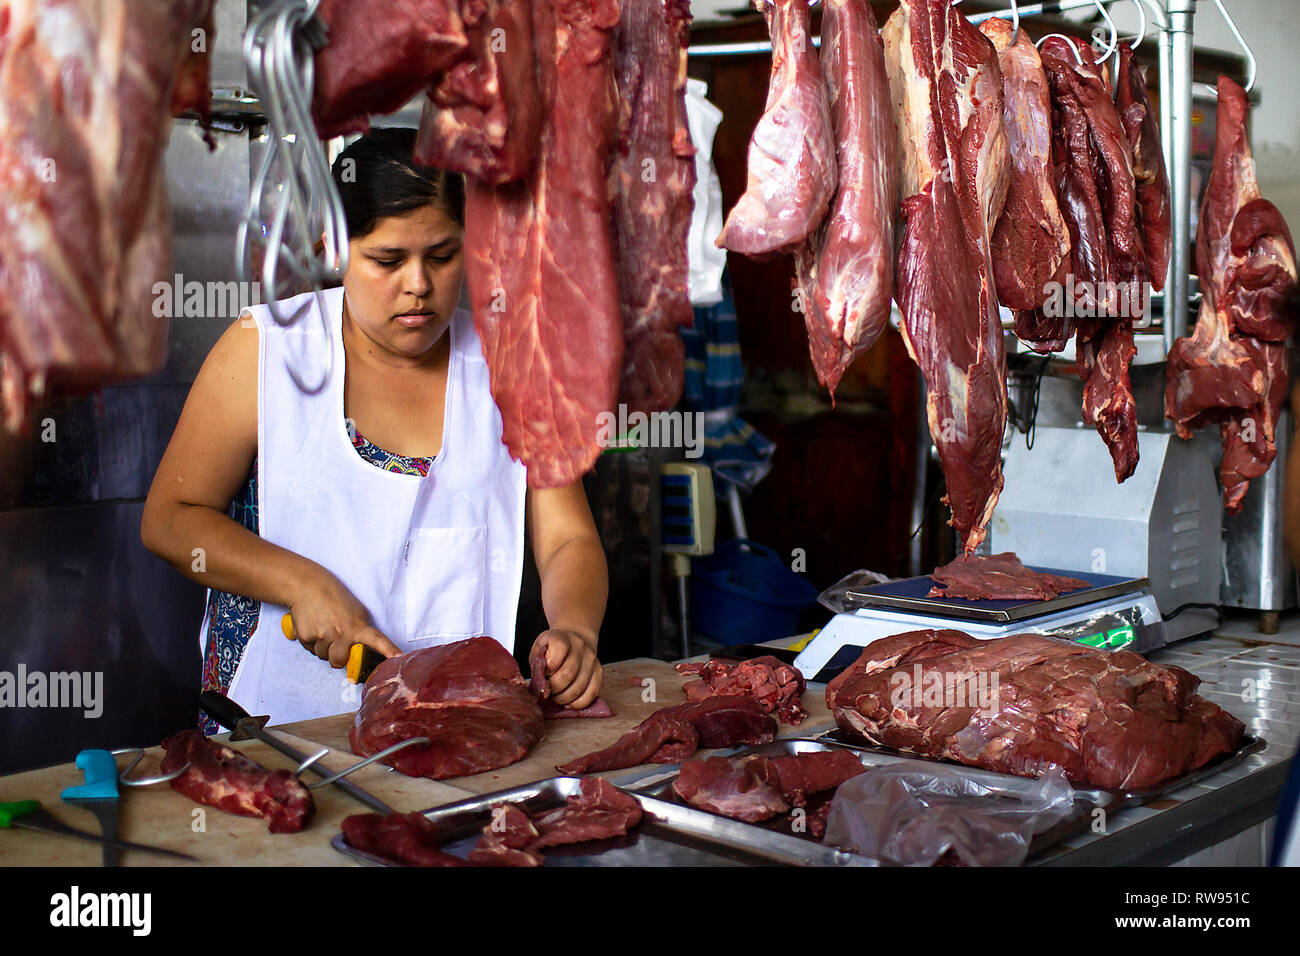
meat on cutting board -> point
(776, 685)
(947, 95)
(540, 257)
(87, 89)
(482, 115)
(1109, 719)
(541, 689)
(468, 698)
(220, 777)
(846, 267)
(515, 837)
(1031, 242)
(1155, 210)
(380, 55)
(1233, 367)
(997, 577)
(757, 787)
(654, 179)
(410, 839)
(791, 163)
(672, 734)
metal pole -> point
(1180, 164)
(1165, 42)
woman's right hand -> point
(328, 620)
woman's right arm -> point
(185, 521)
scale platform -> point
(1111, 613)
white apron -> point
(435, 559)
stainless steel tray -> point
(669, 835)
(660, 786)
(1110, 799)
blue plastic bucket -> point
(745, 594)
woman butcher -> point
(381, 508)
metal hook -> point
(1142, 25)
(125, 780)
(1251, 65)
(1114, 32)
(1078, 58)
(411, 742)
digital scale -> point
(1111, 613)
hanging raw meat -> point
(482, 116)
(846, 268)
(1233, 368)
(1031, 244)
(86, 96)
(655, 179)
(540, 256)
(1155, 212)
(947, 95)
(792, 152)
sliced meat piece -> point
(947, 95)
(540, 257)
(729, 788)
(482, 116)
(776, 685)
(507, 840)
(380, 55)
(468, 698)
(1155, 211)
(541, 689)
(792, 174)
(997, 577)
(599, 812)
(220, 777)
(799, 776)
(1031, 242)
(655, 179)
(846, 268)
(407, 838)
(1103, 362)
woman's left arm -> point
(575, 586)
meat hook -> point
(423, 741)
(124, 778)
(1078, 57)
(1114, 32)
(1251, 65)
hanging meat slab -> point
(792, 173)
(540, 256)
(947, 94)
(1232, 369)
(846, 268)
(655, 179)
(1155, 211)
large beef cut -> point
(482, 116)
(674, 733)
(1155, 210)
(1233, 368)
(846, 268)
(1020, 704)
(410, 839)
(1031, 243)
(776, 685)
(540, 256)
(220, 777)
(87, 89)
(655, 179)
(791, 160)
(380, 54)
(947, 95)
(541, 689)
(998, 577)
(468, 698)
(514, 837)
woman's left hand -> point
(573, 672)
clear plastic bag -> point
(834, 597)
(917, 813)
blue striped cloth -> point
(737, 453)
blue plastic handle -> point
(100, 770)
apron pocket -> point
(445, 574)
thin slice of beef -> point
(508, 839)
(410, 839)
(947, 95)
(846, 268)
(220, 777)
(791, 163)
(674, 733)
(1155, 210)
(468, 698)
(541, 689)
(776, 685)
(655, 179)
(729, 788)
(997, 577)
(516, 838)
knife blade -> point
(243, 726)
(30, 815)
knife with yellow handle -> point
(362, 658)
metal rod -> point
(1179, 100)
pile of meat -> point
(1233, 369)
(672, 734)
(997, 577)
(776, 685)
(1021, 704)
(569, 120)
(468, 698)
(219, 777)
(87, 92)
(757, 788)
